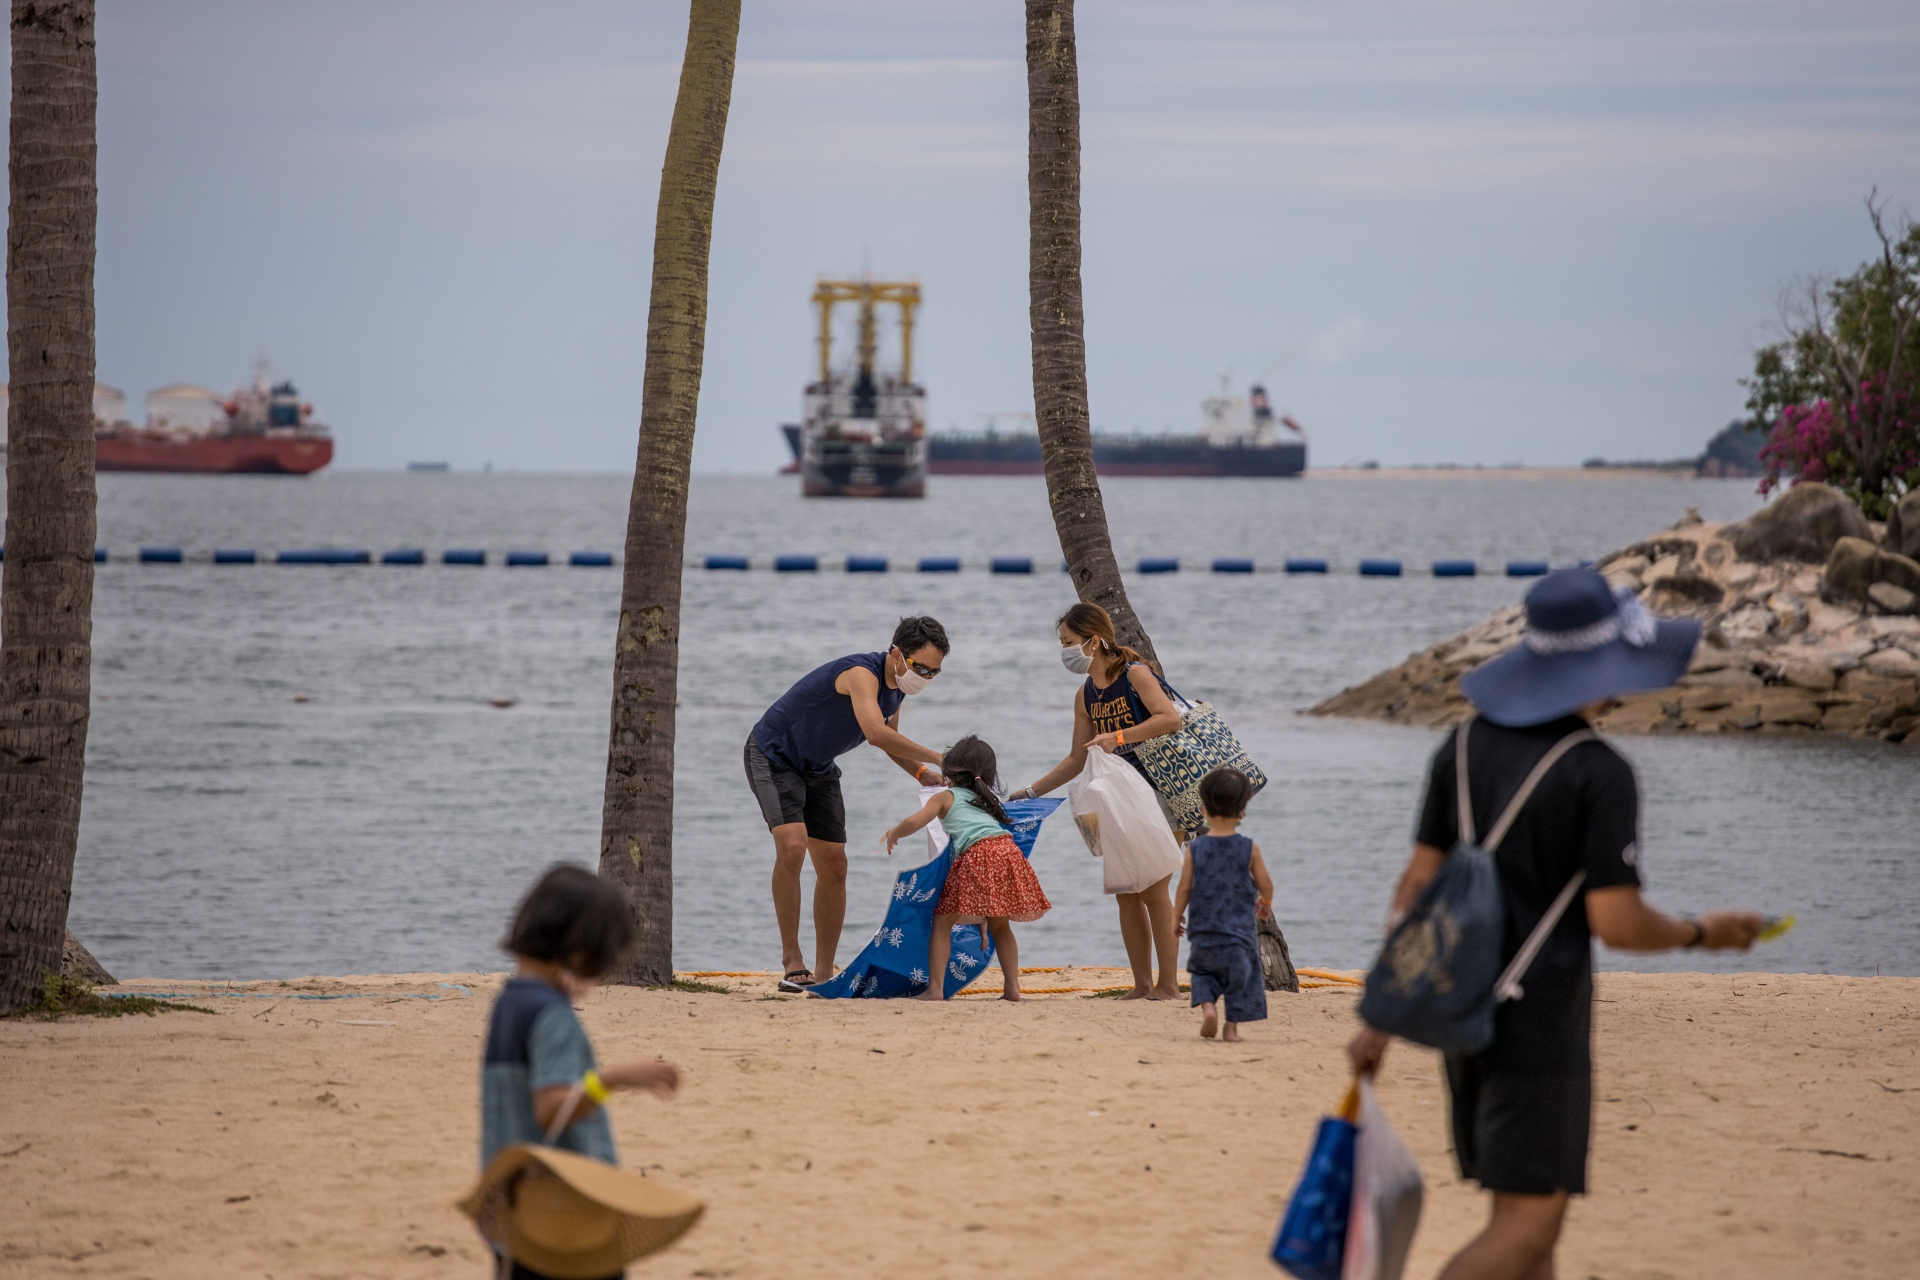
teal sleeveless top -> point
(966, 823)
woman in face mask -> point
(1120, 703)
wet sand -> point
(1747, 1126)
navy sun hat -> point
(1585, 642)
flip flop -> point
(787, 983)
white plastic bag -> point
(1387, 1192)
(1122, 824)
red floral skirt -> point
(992, 879)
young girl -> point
(989, 877)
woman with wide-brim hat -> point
(1567, 851)
(1121, 703)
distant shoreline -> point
(1503, 473)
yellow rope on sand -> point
(1326, 978)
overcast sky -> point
(1467, 231)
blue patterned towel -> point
(894, 964)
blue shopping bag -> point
(1312, 1243)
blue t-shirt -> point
(813, 722)
(534, 1042)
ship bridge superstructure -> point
(863, 429)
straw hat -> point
(573, 1217)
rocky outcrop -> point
(1802, 525)
(1804, 633)
(1903, 527)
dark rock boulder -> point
(78, 962)
(1803, 524)
(1903, 527)
(1855, 565)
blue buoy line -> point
(807, 562)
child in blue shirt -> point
(539, 1082)
(1227, 887)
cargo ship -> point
(264, 428)
(1238, 437)
(862, 432)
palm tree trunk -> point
(46, 579)
(1057, 320)
(636, 825)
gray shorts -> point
(787, 796)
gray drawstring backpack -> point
(1438, 979)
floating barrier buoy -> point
(234, 555)
(1233, 566)
(1159, 564)
(726, 562)
(1306, 565)
(939, 564)
(99, 555)
(527, 559)
(503, 702)
(159, 555)
(324, 555)
(1454, 569)
(796, 564)
(591, 559)
(1379, 568)
(1013, 564)
(463, 557)
(1526, 568)
(866, 564)
(403, 556)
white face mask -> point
(1075, 659)
(910, 681)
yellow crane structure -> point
(866, 294)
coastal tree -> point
(1839, 396)
(636, 826)
(1057, 320)
(46, 578)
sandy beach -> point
(1747, 1126)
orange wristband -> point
(1119, 737)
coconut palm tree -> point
(46, 579)
(1057, 321)
(636, 825)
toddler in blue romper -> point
(1224, 889)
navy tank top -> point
(1221, 907)
(813, 722)
(1118, 706)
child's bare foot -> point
(1232, 1033)
(1011, 995)
(930, 994)
(1209, 1021)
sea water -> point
(389, 820)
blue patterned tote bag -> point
(1176, 762)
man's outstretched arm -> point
(863, 687)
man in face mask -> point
(790, 765)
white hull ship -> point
(863, 430)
